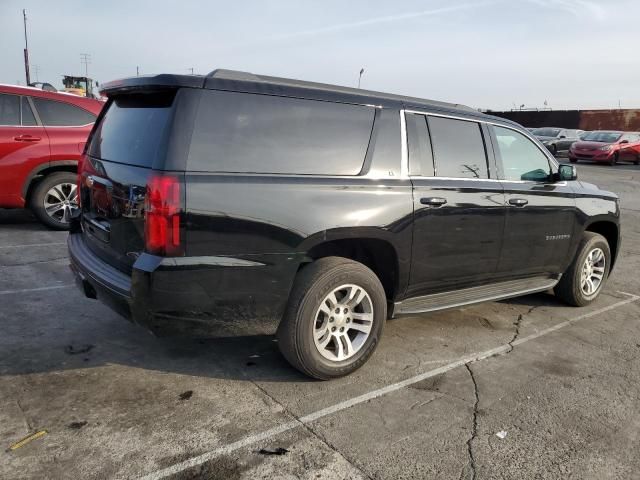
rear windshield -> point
(546, 132)
(133, 129)
(248, 133)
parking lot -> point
(523, 388)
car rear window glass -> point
(458, 148)
(59, 114)
(27, 114)
(134, 129)
(249, 133)
(9, 109)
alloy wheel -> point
(60, 201)
(343, 322)
(592, 272)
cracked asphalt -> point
(116, 402)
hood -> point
(590, 187)
(590, 145)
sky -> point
(488, 54)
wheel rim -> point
(343, 322)
(60, 201)
(592, 273)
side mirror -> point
(562, 136)
(567, 172)
(624, 141)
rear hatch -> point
(126, 155)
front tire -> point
(614, 159)
(585, 278)
(334, 318)
(54, 199)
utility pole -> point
(191, 70)
(360, 76)
(137, 71)
(85, 59)
(26, 49)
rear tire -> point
(311, 335)
(573, 160)
(572, 287)
(54, 199)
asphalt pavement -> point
(524, 388)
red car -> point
(607, 147)
(42, 136)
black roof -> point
(236, 81)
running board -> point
(466, 296)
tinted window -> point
(27, 113)
(133, 130)
(9, 109)
(521, 158)
(385, 161)
(58, 114)
(237, 132)
(419, 146)
(458, 148)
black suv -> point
(235, 197)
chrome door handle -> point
(518, 202)
(433, 201)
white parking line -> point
(252, 439)
(34, 245)
(39, 289)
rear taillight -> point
(163, 209)
(79, 181)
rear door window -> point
(458, 148)
(419, 146)
(521, 158)
(59, 114)
(134, 129)
(249, 133)
(9, 109)
(27, 114)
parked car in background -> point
(236, 197)
(607, 147)
(42, 136)
(557, 140)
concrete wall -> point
(627, 120)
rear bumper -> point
(164, 294)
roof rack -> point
(223, 74)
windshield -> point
(603, 137)
(546, 132)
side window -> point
(27, 114)
(250, 133)
(9, 109)
(458, 148)
(385, 161)
(419, 145)
(59, 114)
(521, 158)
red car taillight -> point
(163, 209)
